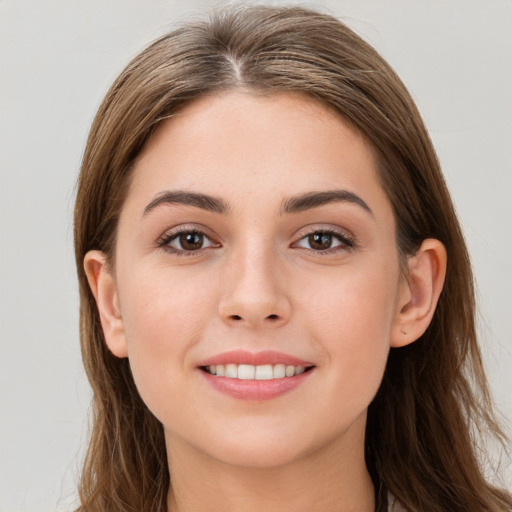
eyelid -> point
(171, 234)
(348, 241)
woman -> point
(271, 313)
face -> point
(256, 244)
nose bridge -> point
(253, 293)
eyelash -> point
(165, 241)
(347, 243)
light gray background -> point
(57, 58)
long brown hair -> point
(434, 398)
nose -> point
(254, 292)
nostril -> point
(272, 317)
(236, 317)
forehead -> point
(255, 146)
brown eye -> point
(325, 241)
(191, 241)
(320, 241)
(187, 242)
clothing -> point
(393, 505)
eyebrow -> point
(203, 201)
(295, 204)
(311, 200)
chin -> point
(260, 455)
(267, 448)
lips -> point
(255, 376)
(255, 358)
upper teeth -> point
(250, 372)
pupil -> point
(320, 241)
(191, 241)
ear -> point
(104, 289)
(419, 292)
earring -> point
(403, 331)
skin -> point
(258, 284)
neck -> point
(332, 479)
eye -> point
(325, 240)
(186, 241)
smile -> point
(259, 376)
(252, 372)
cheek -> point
(164, 317)
(350, 317)
(352, 302)
(160, 306)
